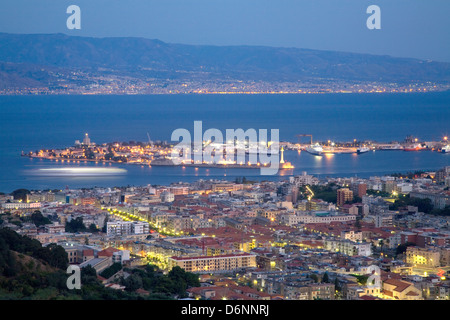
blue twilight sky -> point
(409, 28)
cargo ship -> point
(414, 147)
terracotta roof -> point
(88, 252)
(390, 275)
(399, 285)
(247, 290)
(214, 257)
(108, 252)
(142, 291)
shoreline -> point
(195, 165)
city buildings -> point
(439, 199)
(220, 263)
(344, 195)
(123, 228)
(265, 235)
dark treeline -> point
(30, 271)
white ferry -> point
(362, 150)
(446, 149)
(315, 149)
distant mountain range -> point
(62, 61)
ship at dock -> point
(320, 150)
(391, 147)
(446, 149)
(414, 147)
(413, 144)
(362, 150)
(315, 149)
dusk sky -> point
(409, 28)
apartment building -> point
(22, 206)
(122, 228)
(221, 263)
(348, 247)
(431, 257)
(325, 217)
(344, 195)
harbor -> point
(123, 142)
(151, 154)
(410, 144)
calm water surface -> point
(33, 122)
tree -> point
(38, 219)
(178, 274)
(337, 284)
(358, 223)
(151, 269)
(402, 247)
(325, 278)
(326, 193)
(93, 228)
(88, 275)
(424, 205)
(75, 225)
(20, 194)
(362, 279)
(441, 212)
(57, 280)
(57, 256)
(314, 277)
(112, 270)
(8, 267)
(132, 283)
(381, 244)
(104, 228)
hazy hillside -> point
(144, 59)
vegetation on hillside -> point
(30, 271)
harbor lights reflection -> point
(79, 172)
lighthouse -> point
(285, 165)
